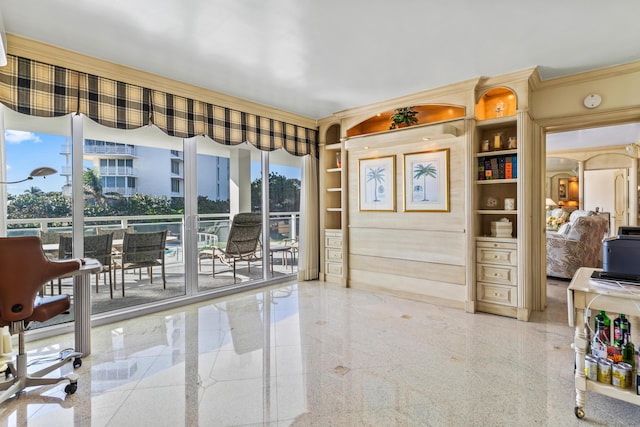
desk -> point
(82, 304)
(583, 293)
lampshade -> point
(42, 171)
(550, 202)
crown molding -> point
(588, 76)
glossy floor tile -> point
(306, 354)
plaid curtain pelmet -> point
(38, 89)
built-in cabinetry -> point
(496, 161)
(332, 205)
(486, 251)
(497, 272)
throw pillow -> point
(564, 229)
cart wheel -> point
(77, 362)
(579, 412)
(71, 388)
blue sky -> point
(28, 150)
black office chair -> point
(24, 269)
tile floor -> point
(306, 354)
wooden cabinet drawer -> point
(334, 254)
(497, 245)
(332, 241)
(333, 268)
(498, 294)
(501, 274)
(497, 256)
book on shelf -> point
(481, 176)
(508, 168)
(514, 162)
(494, 167)
(487, 169)
(501, 162)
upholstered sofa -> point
(578, 243)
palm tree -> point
(93, 185)
(377, 176)
(34, 191)
(424, 171)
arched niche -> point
(497, 102)
(332, 136)
(427, 114)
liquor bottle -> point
(621, 326)
(603, 327)
(599, 342)
(628, 351)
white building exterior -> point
(129, 169)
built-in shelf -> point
(497, 181)
(334, 209)
(497, 153)
(334, 170)
(334, 189)
(496, 239)
(332, 146)
(496, 212)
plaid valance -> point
(38, 89)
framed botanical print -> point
(426, 181)
(376, 184)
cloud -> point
(18, 137)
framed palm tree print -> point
(377, 183)
(426, 181)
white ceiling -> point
(318, 57)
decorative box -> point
(502, 228)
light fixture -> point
(42, 171)
(549, 203)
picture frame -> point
(376, 184)
(426, 181)
(563, 189)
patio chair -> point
(118, 233)
(51, 237)
(141, 250)
(98, 247)
(242, 244)
(24, 269)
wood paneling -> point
(416, 245)
(449, 273)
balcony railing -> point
(118, 171)
(282, 225)
(120, 150)
(123, 191)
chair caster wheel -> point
(71, 388)
(579, 412)
(77, 362)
